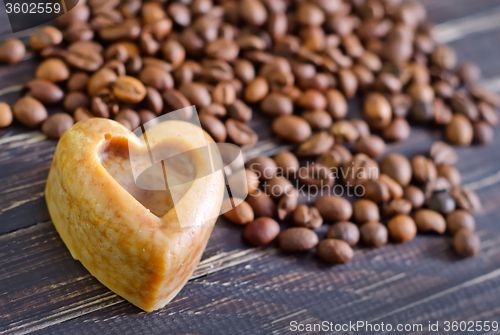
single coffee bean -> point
(312, 100)
(486, 96)
(376, 191)
(459, 131)
(297, 239)
(359, 169)
(287, 164)
(240, 185)
(238, 110)
(262, 204)
(256, 90)
(6, 116)
(362, 127)
(334, 251)
(444, 57)
(160, 79)
(253, 12)
(78, 82)
(345, 231)
(244, 70)
(100, 80)
(44, 91)
(441, 202)
(399, 130)
(45, 37)
(317, 176)
(373, 234)
(175, 100)
(348, 82)
(365, 210)
(421, 93)
(428, 220)
(30, 112)
(468, 72)
(466, 243)
(450, 173)
(276, 104)
(288, 203)
(337, 156)
(310, 14)
(422, 112)
(277, 186)
(154, 100)
(316, 145)
(344, 132)
(463, 104)
(224, 94)
(82, 114)
(12, 51)
(214, 127)
(333, 208)
(292, 128)
(466, 199)
(308, 217)
(196, 93)
(74, 100)
(443, 89)
(53, 69)
(336, 104)
(372, 145)
(261, 231)
(129, 90)
(424, 170)
(130, 116)
(415, 196)
(57, 124)
(437, 186)
(443, 153)
(264, 167)
(483, 132)
(395, 190)
(402, 228)
(401, 104)
(216, 110)
(240, 134)
(458, 220)
(397, 207)
(241, 214)
(377, 111)
(84, 58)
(146, 116)
(318, 120)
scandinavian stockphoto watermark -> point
(187, 158)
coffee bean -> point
(376, 191)
(377, 111)
(424, 170)
(277, 186)
(443, 153)
(174, 53)
(287, 163)
(292, 128)
(82, 114)
(310, 14)
(30, 112)
(365, 210)
(317, 176)
(372, 145)
(466, 243)
(443, 89)
(262, 204)
(154, 100)
(458, 220)
(483, 132)
(175, 100)
(487, 113)
(486, 96)
(459, 131)
(450, 173)
(333, 208)
(466, 199)
(45, 37)
(297, 240)
(100, 80)
(78, 82)
(428, 220)
(316, 145)
(415, 196)
(52, 69)
(373, 234)
(12, 51)
(241, 214)
(288, 203)
(348, 82)
(44, 91)
(312, 100)
(359, 169)
(241, 186)
(336, 157)
(399, 130)
(244, 70)
(253, 12)
(74, 100)
(196, 93)
(214, 127)
(395, 189)
(334, 251)
(6, 116)
(129, 89)
(344, 132)
(444, 57)
(397, 207)
(83, 58)
(276, 104)
(463, 104)
(362, 127)
(441, 202)
(261, 231)
(345, 231)
(239, 111)
(130, 116)
(318, 120)
(402, 228)
(308, 217)
(387, 82)
(216, 110)
(336, 104)
(158, 78)
(57, 124)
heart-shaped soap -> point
(130, 238)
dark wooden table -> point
(241, 290)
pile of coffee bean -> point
(296, 61)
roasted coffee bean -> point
(317, 176)
(82, 114)
(57, 124)
(297, 239)
(362, 127)
(333, 208)
(442, 153)
(292, 128)
(336, 157)
(377, 111)
(463, 104)
(238, 110)
(364, 77)
(344, 132)
(261, 231)
(336, 104)
(441, 202)
(466, 243)
(175, 100)
(308, 217)
(241, 214)
(222, 49)
(53, 69)
(318, 120)
(399, 130)
(45, 37)
(345, 231)
(6, 116)
(415, 196)
(224, 94)
(214, 127)
(174, 53)
(443, 89)
(288, 203)
(428, 220)
(400, 104)
(216, 110)
(29, 112)
(450, 173)
(310, 14)
(397, 207)
(348, 82)
(402, 228)
(387, 83)
(466, 199)
(421, 93)
(78, 82)
(84, 58)
(373, 234)
(486, 96)
(12, 51)
(277, 186)
(44, 91)
(250, 183)
(312, 100)
(130, 116)
(129, 89)
(316, 145)
(253, 12)
(189, 93)
(395, 189)
(127, 30)
(483, 132)
(262, 204)
(376, 191)
(158, 78)
(488, 113)
(256, 90)
(74, 100)
(442, 113)
(424, 170)
(458, 220)
(265, 167)
(372, 145)
(276, 104)
(334, 251)
(365, 210)
(287, 164)
(154, 100)
(441, 184)
(459, 131)
(244, 70)
(444, 57)
(100, 80)
(360, 169)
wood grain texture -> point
(237, 289)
